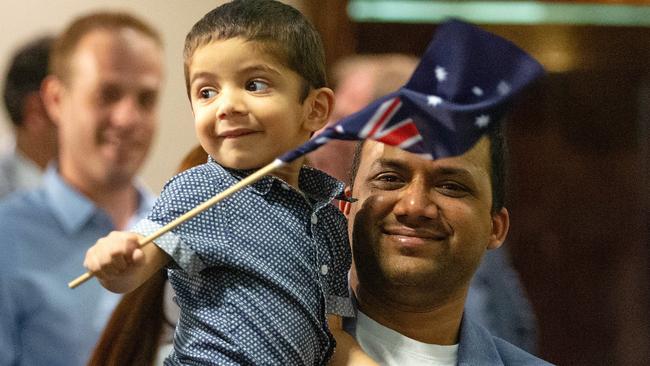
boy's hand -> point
(113, 257)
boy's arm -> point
(120, 264)
(348, 351)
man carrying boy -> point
(418, 233)
(420, 227)
(106, 76)
(255, 274)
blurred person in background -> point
(106, 74)
(149, 312)
(35, 134)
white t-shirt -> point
(391, 348)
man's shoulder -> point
(21, 218)
(513, 355)
(6, 175)
(478, 346)
(17, 204)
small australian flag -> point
(461, 88)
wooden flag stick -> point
(195, 211)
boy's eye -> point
(207, 93)
(256, 85)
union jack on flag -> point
(461, 89)
(402, 134)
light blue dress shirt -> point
(17, 172)
(44, 235)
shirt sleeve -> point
(199, 242)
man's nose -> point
(417, 200)
(127, 112)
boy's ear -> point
(319, 103)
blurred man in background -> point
(35, 134)
(106, 76)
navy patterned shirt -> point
(255, 274)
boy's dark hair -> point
(283, 31)
(66, 44)
(498, 163)
(27, 70)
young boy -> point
(255, 274)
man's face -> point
(420, 224)
(107, 110)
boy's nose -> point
(230, 103)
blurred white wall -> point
(25, 19)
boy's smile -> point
(246, 103)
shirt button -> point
(324, 269)
(314, 219)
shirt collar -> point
(319, 185)
(73, 209)
(476, 345)
(312, 182)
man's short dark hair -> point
(498, 164)
(26, 71)
(281, 30)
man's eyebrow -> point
(398, 164)
(452, 171)
(389, 163)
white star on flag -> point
(441, 73)
(434, 100)
(477, 91)
(482, 120)
(503, 88)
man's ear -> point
(319, 103)
(52, 90)
(344, 206)
(500, 226)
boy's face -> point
(246, 104)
